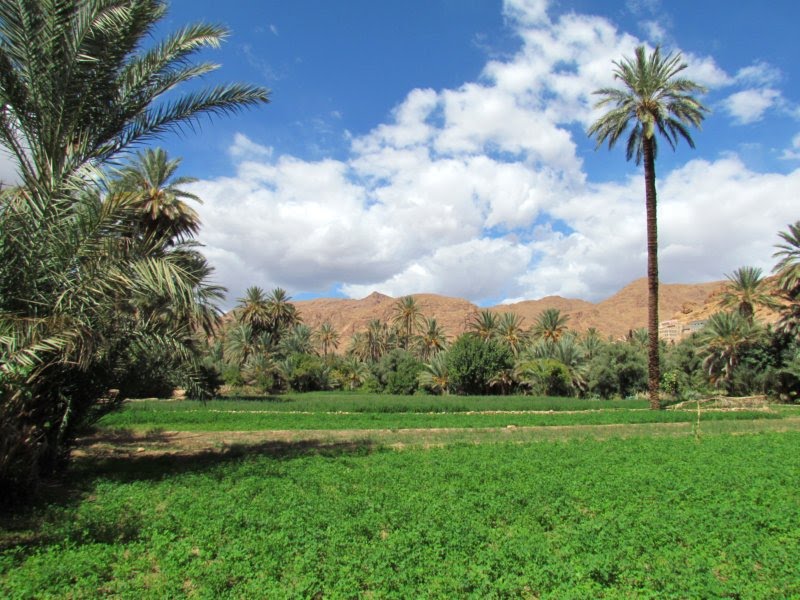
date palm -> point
(550, 325)
(327, 338)
(282, 314)
(435, 375)
(483, 324)
(81, 82)
(158, 195)
(511, 333)
(253, 309)
(722, 341)
(407, 316)
(654, 101)
(431, 340)
(788, 271)
(747, 289)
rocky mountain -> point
(614, 316)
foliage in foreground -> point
(581, 519)
(89, 274)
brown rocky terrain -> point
(614, 316)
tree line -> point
(265, 346)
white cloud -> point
(759, 73)
(749, 106)
(655, 31)
(793, 152)
(244, 147)
(480, 191)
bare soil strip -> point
(121, 443)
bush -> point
(473, 362)
(307, 373)
(618, 370)
(548, 377)
(397, 372)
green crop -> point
(640, 517)
(220, 416)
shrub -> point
(472, 363)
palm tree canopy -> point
(79, 83)
(788, 267)
(550, 325)
(746, 290)
(150, 177)
(654, 99)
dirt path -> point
(104, 444)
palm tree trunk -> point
(653, 376)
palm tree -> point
(150, 178)
(432, 339)
(377, 339)
(510, 332)
(788, 267)
(788, 271)
(253, 309)
(407, 317)
(435, 375)
(746, 290)
(327, 338)
(483, 324)
(281, 313)
(592, 342)
(654, 100)
(722, 341)
(352, 372)
(297, 340)
(550, 325)
(82, 82)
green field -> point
(679, 516)
(398, 412)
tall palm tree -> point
(550, 325)
(150, 178)
(747, 289)
(407, 316)
(483, 324)
(654, 101)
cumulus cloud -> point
(749, 106)
(480, 191)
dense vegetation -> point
(100, 275)
(578, 519)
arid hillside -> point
(614, 316)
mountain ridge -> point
(614, 316)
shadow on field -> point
(37, 525)
(144, 466)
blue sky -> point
(439, 146)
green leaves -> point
(653, 100)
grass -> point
(583, 501)
(638, 517)
(399, 412)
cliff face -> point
(614, 316)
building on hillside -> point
(669, 331)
